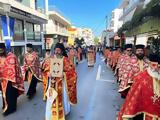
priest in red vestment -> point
(61, 91)
(115, 56)
(31, 70)
(124, 70)
(143, 99)
(91, 56)
(137, 64)
(11, 81)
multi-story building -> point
(111, 38)
(72, 35)
(56, 29)
(86, 34)
(103, 39)
(115, 23)
(21, 23)
(130, 7)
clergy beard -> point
(140, 56)
(59, 55)
(153, 73)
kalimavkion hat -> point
(139, 46)
(29, 45)
(128, 46)
(153, 58)
(61, 46)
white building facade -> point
(129, 9)
(21, 23)
(87, 34)
(111, 38)
(56, 29)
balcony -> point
(130, 10)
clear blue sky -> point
(86, 13)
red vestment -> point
(70, 78)
(32, 65)
(125, 69)
(137, 67)
(141, 99)
(115, 56)
(10, 71)
(71, 55)
(120, 62)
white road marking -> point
(98, 77)
(103, 60)
(98, 72)
(111, 81)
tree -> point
(96, 40)
(154, 44)
(153, 8)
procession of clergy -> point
(138, 78)
(56, 72)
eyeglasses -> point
(129, 50)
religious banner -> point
(56, 67)
(8, 30)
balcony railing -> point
(129, 9)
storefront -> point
(22, 25)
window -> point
(37, 32)
(56, 24)
(112, 23)
(30, 31)
(18, 30)
(36, 5)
